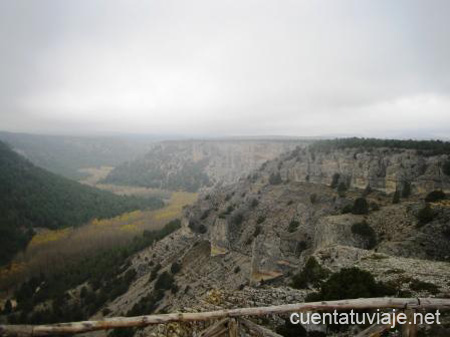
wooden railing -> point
(231, 319)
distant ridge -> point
(33, 197)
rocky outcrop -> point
(383, 169)
(240, 244)
(193, 164)
(281, 221)
(219, 237)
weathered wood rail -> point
(230, 318)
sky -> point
(376, 68)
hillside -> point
(32, 197)
(65, 155)
(311, 224)
(191, 165)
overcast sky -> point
(214, 68)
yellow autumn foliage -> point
(47, 236)
(177, 201)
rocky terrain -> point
(241, 245)
(283, 231)
(193, 164)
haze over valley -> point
(170, 157)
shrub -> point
(417, 285)
(164, 281)
(83, 292)
(313, 198)
(335, 180)
(254, 203)
(446, 168)
(124, 332)
(229, 209)
(291, 330)
(174, 289)
(237, 218)
(374, 206)
(7, 309)
(260, 219)
(293, 225)
(237, 269)
(175, 268)
(342, 188)
(396, 198)
(406, 190)
(367, 190)
(275, 179)
(353, 283)
(204, 215)
(154, 272)
(257, 231)
(301, 246)
(435, 196)
(360, 206)
(347, 209)
(199, 228)
(364, 230)
(446, 232)
(425, 215)
(312, 274)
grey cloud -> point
(226, 67)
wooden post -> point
(376, 330)
(258, 329)
(215, 329)
(409, 329)
(232, 327)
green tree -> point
(406, 190)
(396, 197)
(446, 168)
(364, 230)
(164, 281)
(7, 309)
(311, 275)
(342, 188)
(335, 180)
(435, 196)
(175, 268)
(425, 215)
(352, 283)
(275, 179)
(360, 206)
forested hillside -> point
(65, 155)
(425, 147)
(32, 197)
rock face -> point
(219, 237)
(383, 169)
(191, 165)
(240, 244)
(278, 223)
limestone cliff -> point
(193, 164)
(278, 222)
(383, 169)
